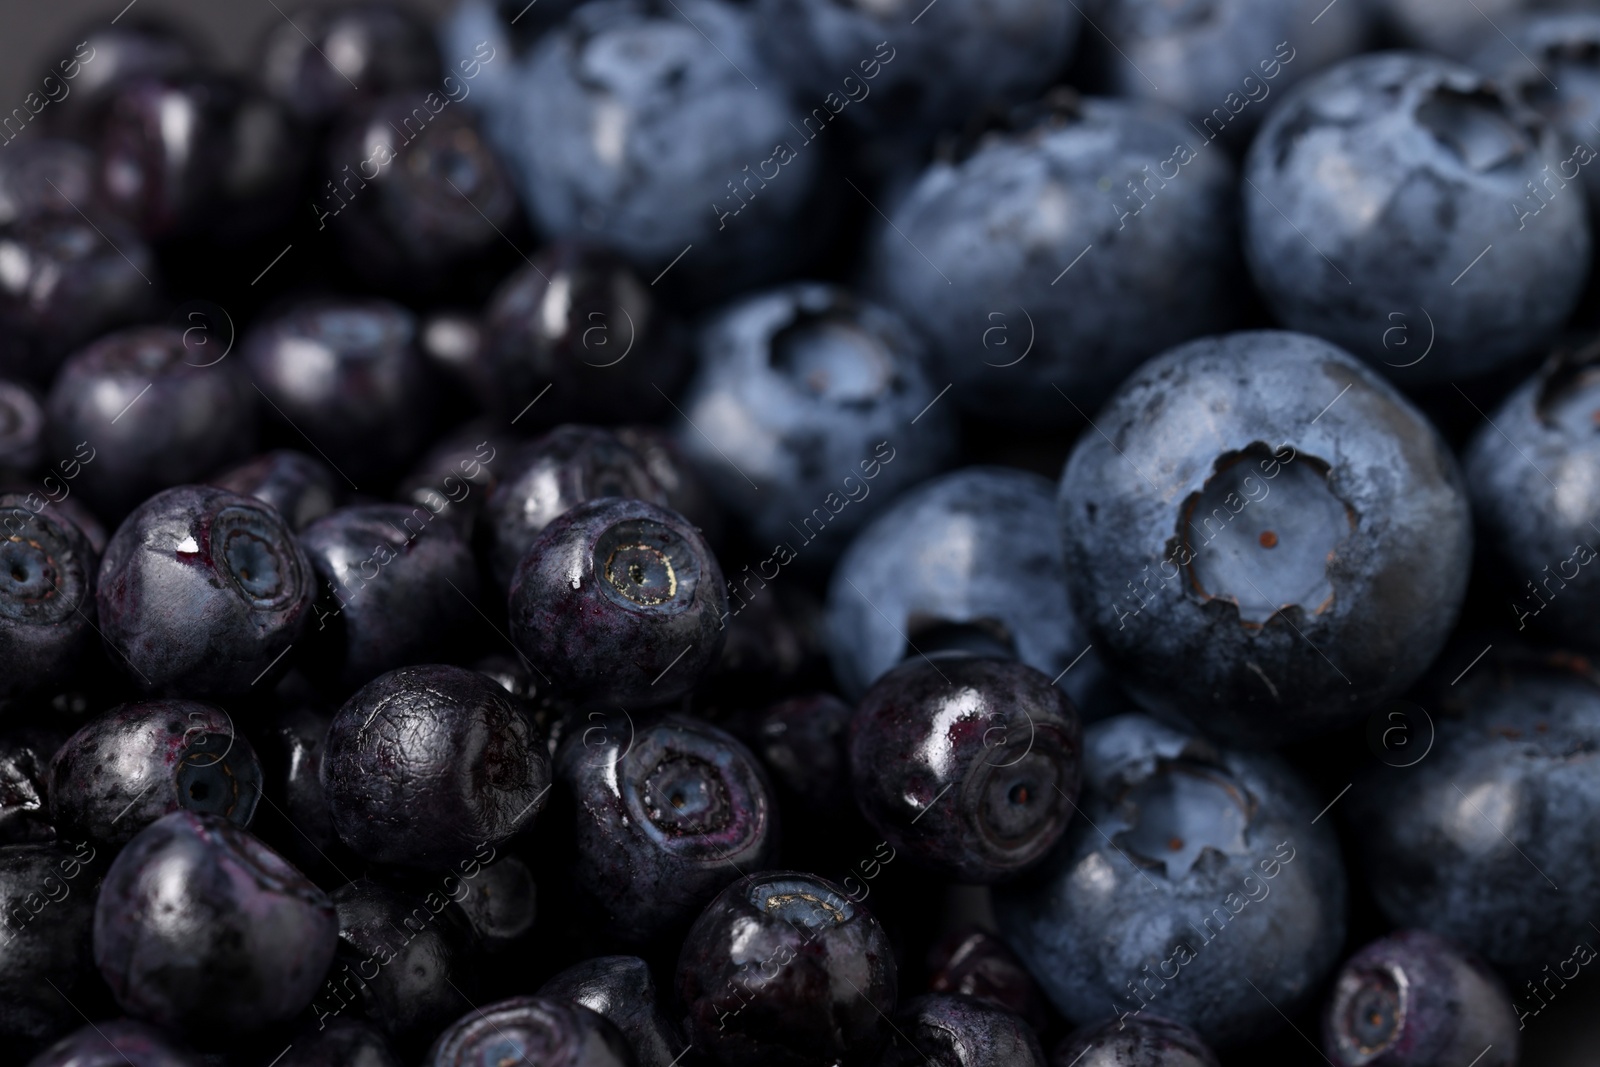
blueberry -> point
(942, 1030)
(558, 1032)
(193, 420)
(500, 904)
(46, 915)
(1145, 1041)
(1337, 586)
(333, 55)
(456, 477)
(137, 762)
(201, 592)
(117, 1043)
(1191, 870)
(968, 559)
(1444, 27)
(975, 963)
(1413, 999)
(621, 989)
(668, 813)
(424, 765)
(782, 969)
(109, 56)
(549, 476)
(202, 928)
(301, 488)
(619, 601)
(347, 377)
(340, 1043)
(804, 396)
(398, 589)
(47, 598)
(45, 176)
(1127, 187)
(25, 753)
(578, 321)
(802, 743)
(1485, 840)
(1377, 188)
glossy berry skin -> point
(762, 974)
(956, 1031)
(1542, 528)
(201, 591)
(969, 765)
(21, 429)
(802, 744)
(619, 601)
(330, 57)
(551, 475)
(622, 989)
(396, 587)
(340, 1043)
(1130, 187)
(117, 1043)
(1145, 1040)
(1412, 999)
(565, 1035)
(301, 488)
(46, 914)
(581, 322)
(800, 415)
(988, 562)
(25, 753)
(423, 765)
(1197, 841)
(1285, 561)
(201, 928)
(111, 56)
(1506, 784)
(137, 762)
(668, 814)
(346, 373)
(47, 598)
(1432, 163)
(194, 420)
(975, 963)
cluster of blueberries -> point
(803, 533)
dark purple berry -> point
(106, 57)
(541, 1030)
(457, 476)
(941, 1030)
(301, 488)
(976, 963)
(622, 989)
(1144, 1040)
(47, 598)
(297, 822)
(117, 1043)
(666, 462)
(329, 56)
(47, 894)
(802, 742)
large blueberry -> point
(619, 601)
(424, 765)
(1143, 1041)
(330, 56)
(201, 592)
(559, 1033)
(668, 813)
(301, 488)
(969, 764)
(1192, 873)
(1033, 264)
(944, 1030)
(621, 989)
(137, 762)
(47, 894)
(784, 970)
(1265, 538)
(202, 928)
(808, 402)
(117, 1043)
(47, 602)
(1392, 191)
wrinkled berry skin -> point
(194, 420)
(1145, 1040)
(668, 814)
(339, 1043)
(955, 1031)
(395, 587)
(1452, 844)
(47, 608)
(201, 591)
(622, 989)
(579, 321)
(46, 913)
(137, 762)
(25, 753)
(117, 1043)
(21, 429)
(1542, 529)
(619, 602)
(970, 765)
(1412, 999)
(801, 742)
(301, 488)
(346, 373)
(1015, 321)
(799, 416)
(330, 57)
(976, 551)
(1406, 167)
(551, 475)
(565, 1035)
(201, 928)
(763, 971)
(425, 764)
(1178, 841)
(976, 963)
(1286, 560)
